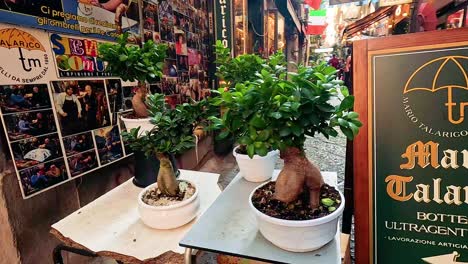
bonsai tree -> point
(232, 71)
(173, 134)
(235, 70)
(133, 63)
(279, 110)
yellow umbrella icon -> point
(16, 38)
(436, 84)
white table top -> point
(229, 227)
(111, 223)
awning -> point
(286, 9)
(368, 20)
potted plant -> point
(231, 71)
(298, 212)
(168, 203)
(133, 63)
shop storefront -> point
(265, 26)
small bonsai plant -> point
(231, 71)
(173, 134)
(235, 70)
(278, 110)
(133, 63)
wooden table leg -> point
(188, 256)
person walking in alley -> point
(348, 71)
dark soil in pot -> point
(241, 150)
(263, 200)
(154, 196)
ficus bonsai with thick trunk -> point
(278, 110)
(134, 63)
(173, 134)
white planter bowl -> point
(298, 236)
(257, 169)
(144, 124)
(171, 216)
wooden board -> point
(110, 226)
(362, 144)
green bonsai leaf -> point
(251, 150)
(347, 103)
(327, 202)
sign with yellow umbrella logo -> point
(419, 155)
(31, 61)
(448, 85)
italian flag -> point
(317, 22)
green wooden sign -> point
(223, 22)
(419, 156)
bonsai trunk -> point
(140, 109)
(298, 175)
(167, 182)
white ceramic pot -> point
(258, 168)
(171, 216)
(144, 124)
(298, 236)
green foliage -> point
(236, 70)
(173, 132)
(279, 109)
(133, 63)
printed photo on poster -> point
(42, 176)
(127, 148)
(182, 63)
(78, 143)
(195, 89)
(184, 77)
(181, 42)
(115, 95)
(168, 86)
(102, 19)
(165, 12)
(26, 55)
(80, 105)
(157, 37)
(77, 57)
(21, 98)
(193, 72)
(170, 68)
(150, 16)
(182, 22)
(171, 50)
(82, 162)
(34, 150)
(194, 57)
(30, 124)
(109, 144)
(167, 32)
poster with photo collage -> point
(59, 122)
(183, 26)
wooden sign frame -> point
(362, 52)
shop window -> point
(240, 26)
